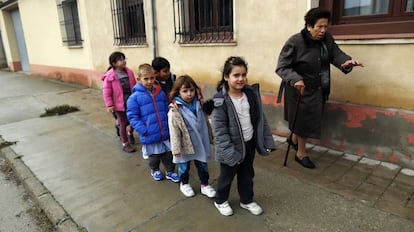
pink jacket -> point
(112, 89)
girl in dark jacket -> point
(239, 128)
(304, 67)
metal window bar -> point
(203, 21)
(69, 23)
(128, 22)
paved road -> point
(79, 160)
(15, 206)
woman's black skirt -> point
(309, 115)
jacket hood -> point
(140, 88)
(107, 74)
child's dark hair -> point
(114, 57)
(159, 63)
(314, 14)
(187, 82)
(228, 66)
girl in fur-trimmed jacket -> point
(240, 128)
(190, 135)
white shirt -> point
(243, 112)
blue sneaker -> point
(173, 177)
(157, 175)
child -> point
(190, 137)
(147, 110)
(240, 127)
(162, 74)
(118, 82)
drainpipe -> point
(154, 39)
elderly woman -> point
(304, 68)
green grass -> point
(59, 110)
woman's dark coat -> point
(300, 59)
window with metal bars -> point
(203, 21)
(128, 22)
(69, 22)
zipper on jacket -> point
(158, 116)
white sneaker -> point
(145, 156)
(208, 191)
(253, 207)
(224, 208)
(186, 190)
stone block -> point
(397, 193)
(407, 172)
(378, 182)
(369, 162)
(390, 166)
(334, 172)
(34, 187)
(67, 226)
(353, 178)
(351, 157)
(319, 149)
(52, 209)
(334, 152)
(405, 179)
(385, 172)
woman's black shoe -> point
(290, 142)
(305, 162)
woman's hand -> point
(177, 155)
(351, 63)
(300, 86)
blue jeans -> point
(202, 169)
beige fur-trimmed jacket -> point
(179, 137)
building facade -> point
(370, 111)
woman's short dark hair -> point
(314, 14)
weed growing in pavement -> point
(59, 110)
(41, 219)
(6, 144)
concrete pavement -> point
(74, 167)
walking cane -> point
(293, 127)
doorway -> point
(20, 39)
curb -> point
(352, 157)
(44, 199)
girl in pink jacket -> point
(118, 82)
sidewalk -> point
(79, 175)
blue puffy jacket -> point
(147, 114)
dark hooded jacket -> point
(230, 147)
(300, 59)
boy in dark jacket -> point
(163, 75)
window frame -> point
(194, 27)
(128, 21)
(69, 23)
(393, 24)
